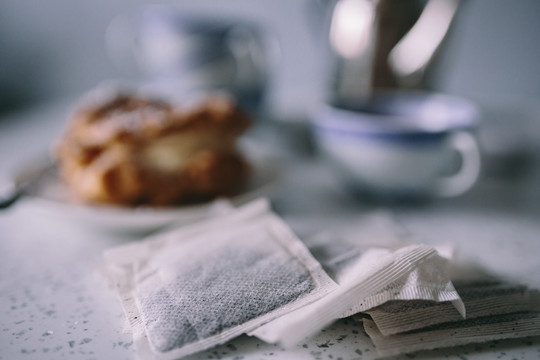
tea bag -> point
(367, 278)
(487, 298)
(463, 332)
(199, 286)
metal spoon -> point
(23, 182)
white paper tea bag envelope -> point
(346, 262)
(199, 286)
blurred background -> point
(57, 49)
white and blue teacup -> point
(402, 145)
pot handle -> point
(413, 53)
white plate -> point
(52, 197)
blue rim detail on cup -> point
(399, 116)
(402, 138)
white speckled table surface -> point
(53, 305)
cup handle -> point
(467, 147)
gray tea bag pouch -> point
(199, 286)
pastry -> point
(131, 150)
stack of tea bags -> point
(495, 310)
(245, 271)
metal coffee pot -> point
(384, 44)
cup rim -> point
(399, 113)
